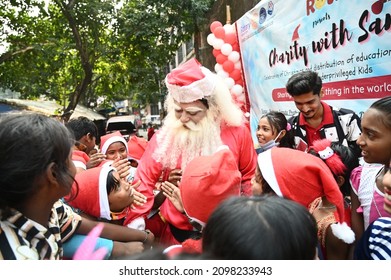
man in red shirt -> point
(318, 120)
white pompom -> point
(343, 232)
(238, 65)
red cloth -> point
(313, 133)
(186, 73)
(238, 139)
(150, 133)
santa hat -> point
(92, 196)
(303, 177)
(80, 159)
(190, 81)
(108, 139)
(136, 147)
(207, 181)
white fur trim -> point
(343, 232)
(138, 223)
(266, 165)
(196, 90)
(79, 164)
(103, 198)
(112, 140)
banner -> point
(348, 42)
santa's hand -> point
(173, 193)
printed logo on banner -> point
(270, 7)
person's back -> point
(317, 120)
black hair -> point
(29, 142)
(82, 126)
(384, 105)
(266, 227)
(304, 82)
(111, 183)
(278, 122)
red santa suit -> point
(236, 136)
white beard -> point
(176, 141)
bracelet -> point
(146, 235)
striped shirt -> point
(375, 244)
(25, 239)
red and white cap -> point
(136, 147)
(303, 177)
(207, 181)
(190, 81)
(92, 196)
(108, 139)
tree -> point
(74, 51)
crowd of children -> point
(312, 201)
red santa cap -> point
(108, 139)
(207, 181)
(136, 147)
(303, 177)
(80, 159)
(92, 196)
(190, 81)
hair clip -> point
(326, 153)
(288, 126)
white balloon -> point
(211, 39)
(223, 74)
(229, 82)
(218, 67)
(217, 44)
(241, 98)
(229, 28)
(234, 56)
(238, 65)
(226, 49)
(237, 90)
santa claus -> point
(201, 116)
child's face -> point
(375, 139)
(116, 150)
(120, 198)
(265, 132)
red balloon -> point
(239, 82)
(219, 32)
(235, 47)
(228, 66)
(216, 52)
(215, 24)
(235, 74)
(230, 38)
(220, 59)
